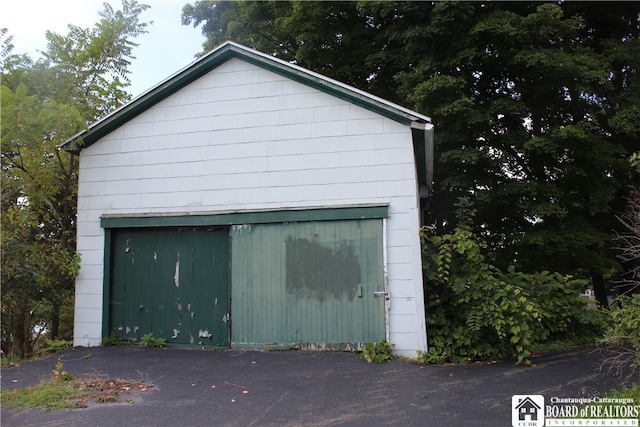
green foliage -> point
(629, 243)
(59, 374)
(635, 161)
(110, 341)
(81, 77)
(9, 360)
(377, 352)
(148, 340)
(624, 331)
(632, 392)
(51, 395)
(55, 346)
(536, 105)
(475, 311)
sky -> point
(168, 46)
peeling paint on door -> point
(173, 268)
(204, 334)
(176, 276)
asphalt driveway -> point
(207, 388)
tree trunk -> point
(55, 322)
(598, 289)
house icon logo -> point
(527, 410)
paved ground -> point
(305, 388)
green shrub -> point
(148, 340)
(625, 325)
(566, 316)
(377, 352)
(110, 341)
(54, 346)
(475, 311)
(623, 334)
(59, 374)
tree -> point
(332, 38)
(629, 249)
(535, 104)
(81, 77)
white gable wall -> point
(243, 138)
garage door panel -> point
(308, 284)
(173, 283)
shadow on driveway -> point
(205, 388)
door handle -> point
(381, 293)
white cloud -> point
(168, 47)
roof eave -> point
(206, 63)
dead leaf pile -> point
(109, 390)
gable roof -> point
(219, 55)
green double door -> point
(173, 283)
(315, 284)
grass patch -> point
(65, 391)
(6, 361)
(50, 395)
(72, 393)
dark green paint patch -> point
(319, 272)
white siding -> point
(242, 138)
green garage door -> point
(312, 285)
(173, 283)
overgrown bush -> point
(377, 352)
(623, 336)
(475, 311)
(54, 346)
(630, 243)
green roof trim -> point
(218, 56)
(249, 217)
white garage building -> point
(246, 202)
